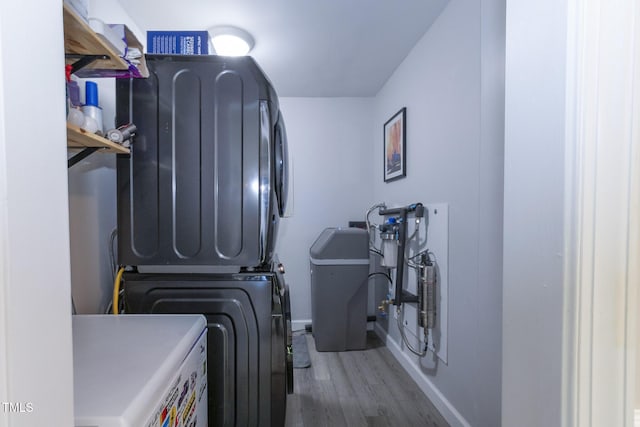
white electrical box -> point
(140, 370)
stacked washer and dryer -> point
(199, 200)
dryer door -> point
(281, 163)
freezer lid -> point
(153, 346)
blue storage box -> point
(178, 42)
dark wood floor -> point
(358, 388)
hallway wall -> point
(452, 84)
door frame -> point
(602, 234)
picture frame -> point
(395, 146)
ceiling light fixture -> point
(230, 41)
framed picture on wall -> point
(395, 146)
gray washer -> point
(339, 261)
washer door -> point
(281, 354)
(289, 348)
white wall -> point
(92, 200)
(534, 213)
(35, 325)
(330, 144)
(452, 86)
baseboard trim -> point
(441, 403)
(298, 325)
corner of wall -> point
(444, 406)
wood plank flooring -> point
(357, 388)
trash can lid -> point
(341, 244)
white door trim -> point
(4, 276)
(603, 192)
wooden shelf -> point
(80, 39)
(79, 138)
(93, 56)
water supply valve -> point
(384, 306)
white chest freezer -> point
(140, 370)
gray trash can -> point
(339, 261)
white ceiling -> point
(308, 47)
